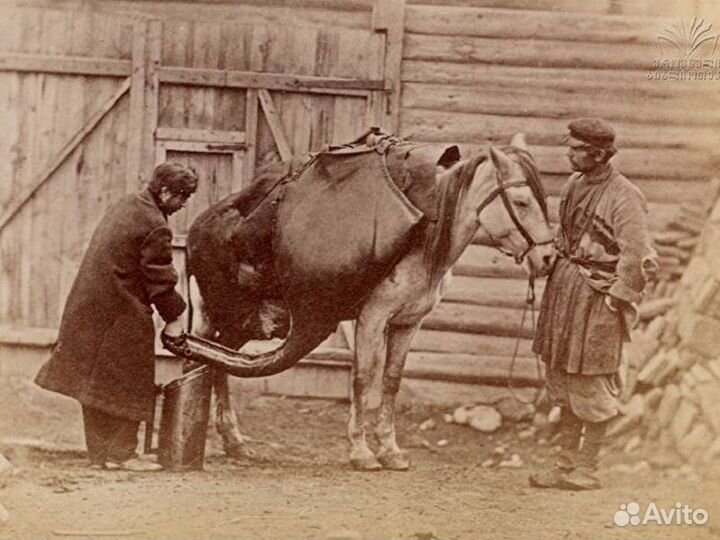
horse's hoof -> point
(395, 461)
(368, 463)
(239, 451)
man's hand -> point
(174, 328)
(613, 303)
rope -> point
(529, 304)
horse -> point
(498, 189)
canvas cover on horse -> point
(340, 226)
(314, 234)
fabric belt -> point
(603, 266)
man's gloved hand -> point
(174, 328)
(174, 339)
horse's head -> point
(512, 207)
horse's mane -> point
(531, 172)
(453, 185)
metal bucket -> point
(184, 420)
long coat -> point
(604, 249)
(104, 356)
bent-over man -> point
(105, 356)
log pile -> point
(671, 395)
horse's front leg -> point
(399, 340)
(369, 348)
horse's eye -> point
(521, 203)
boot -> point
(583, 477)
(570, 427)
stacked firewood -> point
(671, 396)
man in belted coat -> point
(104, 356)
(590, 300)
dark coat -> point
(104, 356)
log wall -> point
(477, 71)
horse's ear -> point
(518, 141)
(500, 161)
(450, 157)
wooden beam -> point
(377, 100)
(136, 108)
(212, 136)
(340, 5)
(476, 319)
(464, 343)
(238, 161)
(495, 292)
(63, 154)
(633, 84)
(529, 52)
(529, 100)
(478, 369)
(251, 132)
(28, 336)
(637, 163)
(389, 18)
(201, 147)
(270, 81)
(273, 119)
(523, 24)
(441, 126)
(64, 65)
(153, 52)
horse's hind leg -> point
(369, 348)
(226, 422)
(399, 340)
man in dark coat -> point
(105, 356)
(590, 300)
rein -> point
(501, 190)
(529, 304)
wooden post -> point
(137, 106)
(152, 92)
(375, 111)
(142, 119)
(389, 18)
(251, 124)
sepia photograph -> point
(359, 269)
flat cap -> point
(593, 131)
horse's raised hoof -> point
(394, 461)
(367, 463)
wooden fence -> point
(95, 92)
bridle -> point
(501, 190)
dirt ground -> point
(299, 485)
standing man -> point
(590, 300)
(105, 356)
